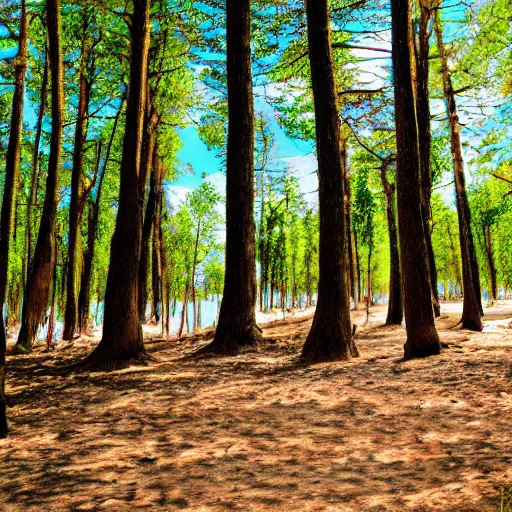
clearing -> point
(264, 431)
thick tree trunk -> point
(425, 137)
(122, 340)
(12, 171)
(84, 297)
(330, 337)
(422, 337)
(237, 319)
(41, 273)
(77, 202)
(395, 305)
(472, 308)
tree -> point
(237, 319)
(395, 313)
(424, 136)
(79, 191)
(84, 297)
(122, 332)
(364, 215)
(330, 337)
(41, 273)
(12, 170)
(472, 309)
(422, 337)
(202, 203)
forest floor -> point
(264, 431)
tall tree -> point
(330, 337)
(155, 180)
(84, 297)
(422, 337)
(12, 171)
(41, 273)
(424, 134)
(348, 222)
(472, 308)
(395, 313)
(237, 319)
(34, 175)
(122, 332)
(78, 194)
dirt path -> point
(264, 432)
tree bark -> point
(330, 337)
(122, 340)
(425, 138)
(472, 308)
(237, 320)
(12, 171)
(41, 274)
(77, 202)
(395, 313)
(422, 337)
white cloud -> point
(175, 196)
(304, 169)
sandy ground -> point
(263, 431)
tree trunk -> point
(157, 282)
(330, 337)
(51, 318)
(183, 311)
(490, 260)
(369, 285)
(41, 274)
(395, 305)
(147, 228)
(77, 203)
(422, 337)
(237, 319)
(472, 308)
(348, 221)
(425, 137)
(12, 171)
(34, 181)
(84, 297)
(194, 264)
(263, 257)
(358, 269)
(122, 332)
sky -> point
(295, 155)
